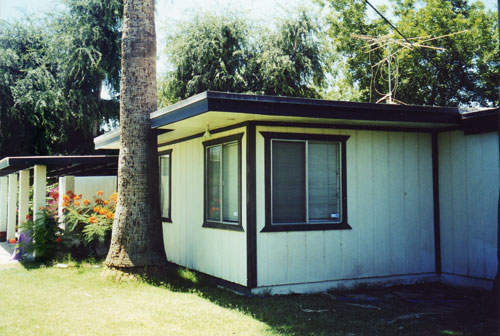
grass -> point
(79, 300)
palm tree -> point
(137, 233)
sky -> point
(170, 11)
(167, 12)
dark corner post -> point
(251, 206)
(435, 189)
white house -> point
(298, 195)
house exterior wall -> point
(468, 195)
(217, 252)
(389, 207)
(88, 186)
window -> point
(166, 185)
(223, 183)
(305, 182)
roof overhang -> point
(89, 165)
(215, 110)
(481, 121)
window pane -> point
(323, 181)
(288, 182)
(230, 182)
(165, 186)
(213, 182)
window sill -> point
(223, 226)
(166, 220)
(306, 227)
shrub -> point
(85, 224)
(45, 233)
(90, 221)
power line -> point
(389, 22)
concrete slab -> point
(6, 251)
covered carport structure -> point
(19, 174)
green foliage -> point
(289, 61)
(225, 53)
(465, 73)
(207, 52)
(46, 236)
(51, 75)
(84, 226)
(77, 220)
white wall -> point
(88, 186)
(390, 210)
(468, 195)
(216, 252)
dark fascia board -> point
(301, 107)
(481, 121)
(291, 107)
(11, 165)
(184, 109)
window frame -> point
(168, 152)
(312, 226)
(207, 223)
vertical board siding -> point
(426, 201)
(217, 252)
(88, 186)
(468, 194)
(390, 210)
(382, 233)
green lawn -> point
(79, 301)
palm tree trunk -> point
(137, 238)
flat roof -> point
(220, 109)
(85, 165)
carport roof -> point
(88, 165)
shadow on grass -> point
(427, 309)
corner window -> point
(223, 183)
(305, 182)
(166, 185)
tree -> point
(30, 100)
(224, 53)
(208, 52)
(51, 74)
(86, 41)
(463, 74)
(289, 61)
(136, 239)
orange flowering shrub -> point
(94, 220)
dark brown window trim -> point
(168, 219)
(223, 226)
(214, 224)
(435, 193)
(251, 205)
(269, 227)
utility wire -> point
(389, 22)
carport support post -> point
(66, 183)
(24, 195)
(39, 185)
(12, 207)
(3, 203)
